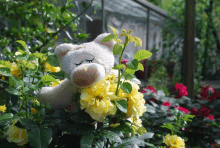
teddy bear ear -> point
(62, 49)
(99, 39)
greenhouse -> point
(110, 74)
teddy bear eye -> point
(90, 61)
(78, 64)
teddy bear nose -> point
(85, 76)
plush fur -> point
(84, 65)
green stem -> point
(119, 71)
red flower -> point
(70, 108)
(204, 111)
(153, 100)
(213, 144)
(182, 90)
(143, 91)
(194, 111)
(207, 125)
(210, 117)
(206, 91)
(167, 104)
(124, 61)
(213, 96)
(169, 115)
(151, 88)
(183, 128)
(183, 109)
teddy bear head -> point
(85, 64)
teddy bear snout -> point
(87, 74)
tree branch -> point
(63, 27)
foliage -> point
(23, 76)
(167, 114)
(37, 23)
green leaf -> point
(51, 122)
(108, 38)
(14, 81)
(119, 66)
(140, 66)
(5, 71)
(130, 71)
(115, 31)
(48, 78)
(117, 49)
(126, 87)
(30, 65)
(146, 136)
(86, 141)
(5, 63)
(52, 60)
(84, 4)
(13, 91)
(27, 123)
(113, 137)
(40, 137)
(21, 57)
(142, 54)
(6, 116)
(133, 64)
(22, 43)
(122, 105)
(168, 126)
(128, 76)
(39, 55)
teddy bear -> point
(84, 65)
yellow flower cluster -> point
(33, 111)
(97, 99)
(50, 68)
(173, 141)
(15, 70)
(17, 135)
(3, 108)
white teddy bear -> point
(84, 65)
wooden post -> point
(189, 46)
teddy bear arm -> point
(59, 96)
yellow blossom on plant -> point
(17, 135)
(55, 84)
(50, 68)
(3, 78)
(33, 111)
(137, 128)
(136, 102)
(173, 141)
(96, 100)
(15, 70)
(18, 53)
(35, 101)
(3, 108)
(115, 125)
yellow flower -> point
(137, 128)
(136, 102)
(15, 70)
(3, 108)
(17, 135)
(55, 84)
(18, 53)
(3, 78)
(96, 100)
(115, 125)
(35, 101)
(33, 111)
(121, 93)
(173, 141)
(50, 68)
(110, 78)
